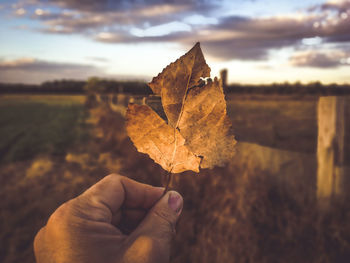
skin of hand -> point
(116, 220)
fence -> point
(332, 173)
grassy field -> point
(238, 213)
(281, 122)
(34, 125)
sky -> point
(257, 41)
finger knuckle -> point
(38, 239)
(61, 214)
(114, 177)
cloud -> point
(94, 16)
(318, 59)
(338, 5)
(31, 64)
(87, 22)
(253, 38)
(226, 38)
(230, 38)
(122, 5)
(30, 70)
(20, 12)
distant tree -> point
(95, 85)
(298, 84)
(315, 84)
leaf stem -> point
(167, 183)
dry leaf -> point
(176, 79)
(164, 144)
(198, 132)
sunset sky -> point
(258, 41)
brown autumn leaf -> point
(198, 132)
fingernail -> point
(175, 202)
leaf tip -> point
(196, 47)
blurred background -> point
(69, 68)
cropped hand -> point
(116, 220)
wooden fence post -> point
(330, 150)
(223, 77)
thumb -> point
(158, 227)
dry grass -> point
(238, 213)
(281, 122)
(45, 99)
(241, 214)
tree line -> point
(312, 88)
(98, 85)
(95, 85)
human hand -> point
(116, 220)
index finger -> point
(115, 191)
